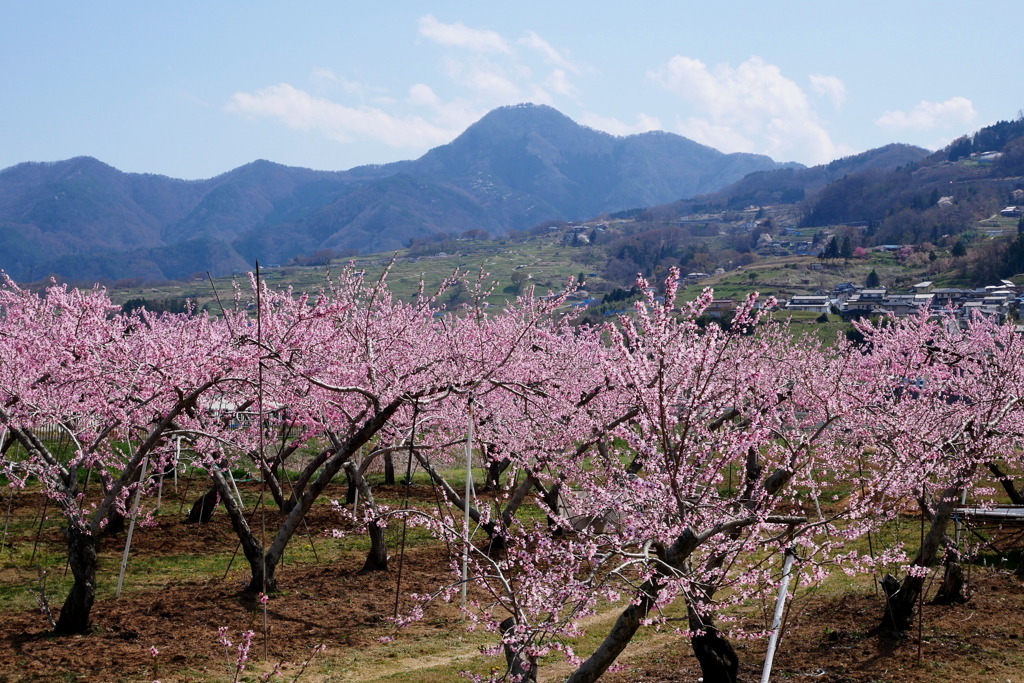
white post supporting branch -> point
(465, 518)
(131, 526)
(359, 466)
(780, 605)
(956, 519)
(177, 459)
(238, 495)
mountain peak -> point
(517, 166)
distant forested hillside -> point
(894, 195)
(516, 167)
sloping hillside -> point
(514, 168)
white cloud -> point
(456, 115)
(559, 84)
(722, 138)
(460, 35)
(323, 78)
(929, 115)
(830, 87)
(301, 111)
(551, 55)
(423, 95)
(489, 73)
(487, 80)
(610, 124)
(750, 107)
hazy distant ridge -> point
(515, 167)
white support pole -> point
(177, 459)
(359, 465)
(159, 491)
(780, 604)
(465, 519)
(963, 501)
(238, 495)
(131, 526)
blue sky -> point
(192, 89)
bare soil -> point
(829, 638)
(835, 640)
(335, 605)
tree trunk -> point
(350, 493)
(389, 469)
(377, 558)
(618, 638)
(495, 468)
(307, 473)
(902, 598)
(518, 670)
(899, 611)
(551, 497)
(341, 453)
(629, 621)
(261, 567)
(115, 523)
(273, 485)
(1007, 483)
(952, 588)
(203, 508)
(74, 615)
(718, 661)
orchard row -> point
(672, 461)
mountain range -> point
(516, 167)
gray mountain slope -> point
(515, 167)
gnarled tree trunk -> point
(377, 558)
(74, 615)
(902, 598)
(261, 569)
(718, 660)
(518, 669)
(203, 508)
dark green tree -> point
(846, 251)
(872, 279)
(832, 250)
(1013, 261)
(959, 249)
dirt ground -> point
(834, 640)
(829, 638)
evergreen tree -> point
(959, 249)
(832, 250)
(846, 251)
(1013, 261)
(872, 280)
